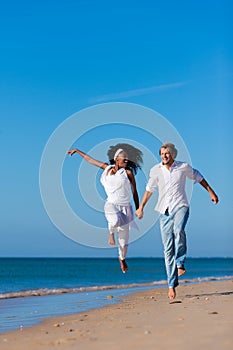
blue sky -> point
(59, 57)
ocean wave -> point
(56, 291)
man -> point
(169, 178)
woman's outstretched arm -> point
(88, 158)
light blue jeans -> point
(172, 228)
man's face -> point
(166, 156)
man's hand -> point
(213, 197)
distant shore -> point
(199, 318)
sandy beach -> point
(199, 318)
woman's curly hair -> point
(134, 156)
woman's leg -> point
(111, 214)
(111, 239)
(123, 240)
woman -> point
(119, 182)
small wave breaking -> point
(56, 291)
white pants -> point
(119, 218)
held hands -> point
(139, 213)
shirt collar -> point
(173, 165)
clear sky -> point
(59, 57)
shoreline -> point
(200, 316)
(29, 308)
(57, 291)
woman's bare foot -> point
(124, 266)
(111, 240)
(181, 271)
(172, 293)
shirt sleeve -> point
(152, 183)
(193, 174)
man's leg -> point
(180, 221)
(166, 227)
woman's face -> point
(122, 160)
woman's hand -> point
(71, 152)
(88, 158)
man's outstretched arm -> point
(213, 195)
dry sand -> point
(200, 318)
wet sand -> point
(201, 317)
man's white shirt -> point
(171, 185)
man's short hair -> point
(171, 147)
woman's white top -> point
(117, 186)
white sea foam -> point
(57, 291)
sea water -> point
(35, 288)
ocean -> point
(35, 288)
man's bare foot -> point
(111, 240)
(181, 271)
(124, 266)
(172, 293)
